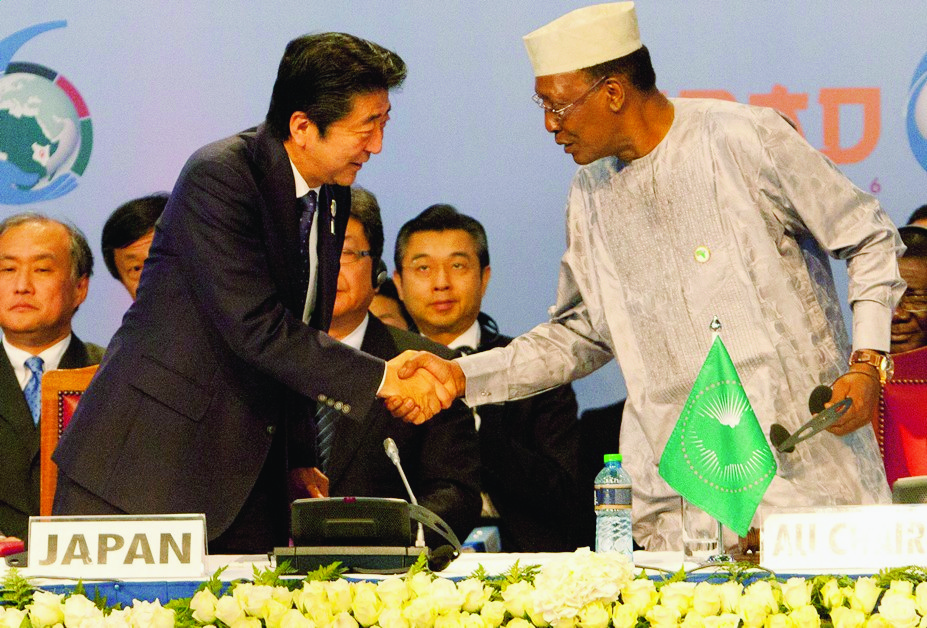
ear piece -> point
(379, 274)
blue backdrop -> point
(151, 81)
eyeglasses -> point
(561, 112)
(915, 303)
(349, 256)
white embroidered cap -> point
(583, 38)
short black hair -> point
(366, 210)
(128, 223)
(915, 239)
(637, 66)
(442, 218)
(80, 253)
(918, 214)
(319, 74)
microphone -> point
(819, 396)
(392, 452)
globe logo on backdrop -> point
(917, 113)
(45, 130)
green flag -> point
(717, 457)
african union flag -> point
(717, 457)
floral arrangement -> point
(585, 589)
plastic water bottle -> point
(613, 508)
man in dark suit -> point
(529, 448)
(45, 268)
(201, 402)
(440, 457)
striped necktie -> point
(33, 389)
(310, 204)
(326, 419)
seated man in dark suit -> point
(127, 237)
(440, 457)
(529, 448)
(909, 322)
(45, 268)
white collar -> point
(51, 358)
(470, 338)
(356, 338)
(302, 188)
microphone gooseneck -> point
(392, 452)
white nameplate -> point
(119, 546)
(845, 537)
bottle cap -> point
(613, 457)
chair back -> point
(901, 422)
(61, 390)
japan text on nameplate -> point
(119, 546)
(866, 538)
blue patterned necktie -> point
(325, 420)
(33, 390)
(310, 204)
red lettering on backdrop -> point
(781, 100)
(832, 99)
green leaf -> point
(214, 585)
(335, 571)
(16, 590)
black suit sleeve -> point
(215, 216)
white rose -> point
(843, 617)
(151, 615)
(661, 616)
(12, 617)
(319, 611)
(693, 620)
(272, 612)
(283, 595)
(251, 597)
(449, 620)
(473, 620)
(118, 619)
(344, 620)
(474, 593)
(779, 620)
(920, 598)
(420, 613)
(366, 606)
(753, 609)
(46, 609)
(641, 594)
(805, 617)
(339, 595)
(706, 599)
(311, 594)
(516, 597)
(245, 622)
(393, 592)
(203, 605)
(865, 594)
(763, 592)
(899, 609)
(624, 616)
(392, 618)
(724, 620)
(832, 595)
(518, 622)
(730, 596)
(445, 596)
(228, 610)
(877, 621)
(678, 595)
(594, 616)
(78, 609)
(901, 587)
(493, 613)
(419, 583)
(294, 619)
(796, 592)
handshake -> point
(419, 384)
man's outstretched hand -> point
(420, 384)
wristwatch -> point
(882, 361)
